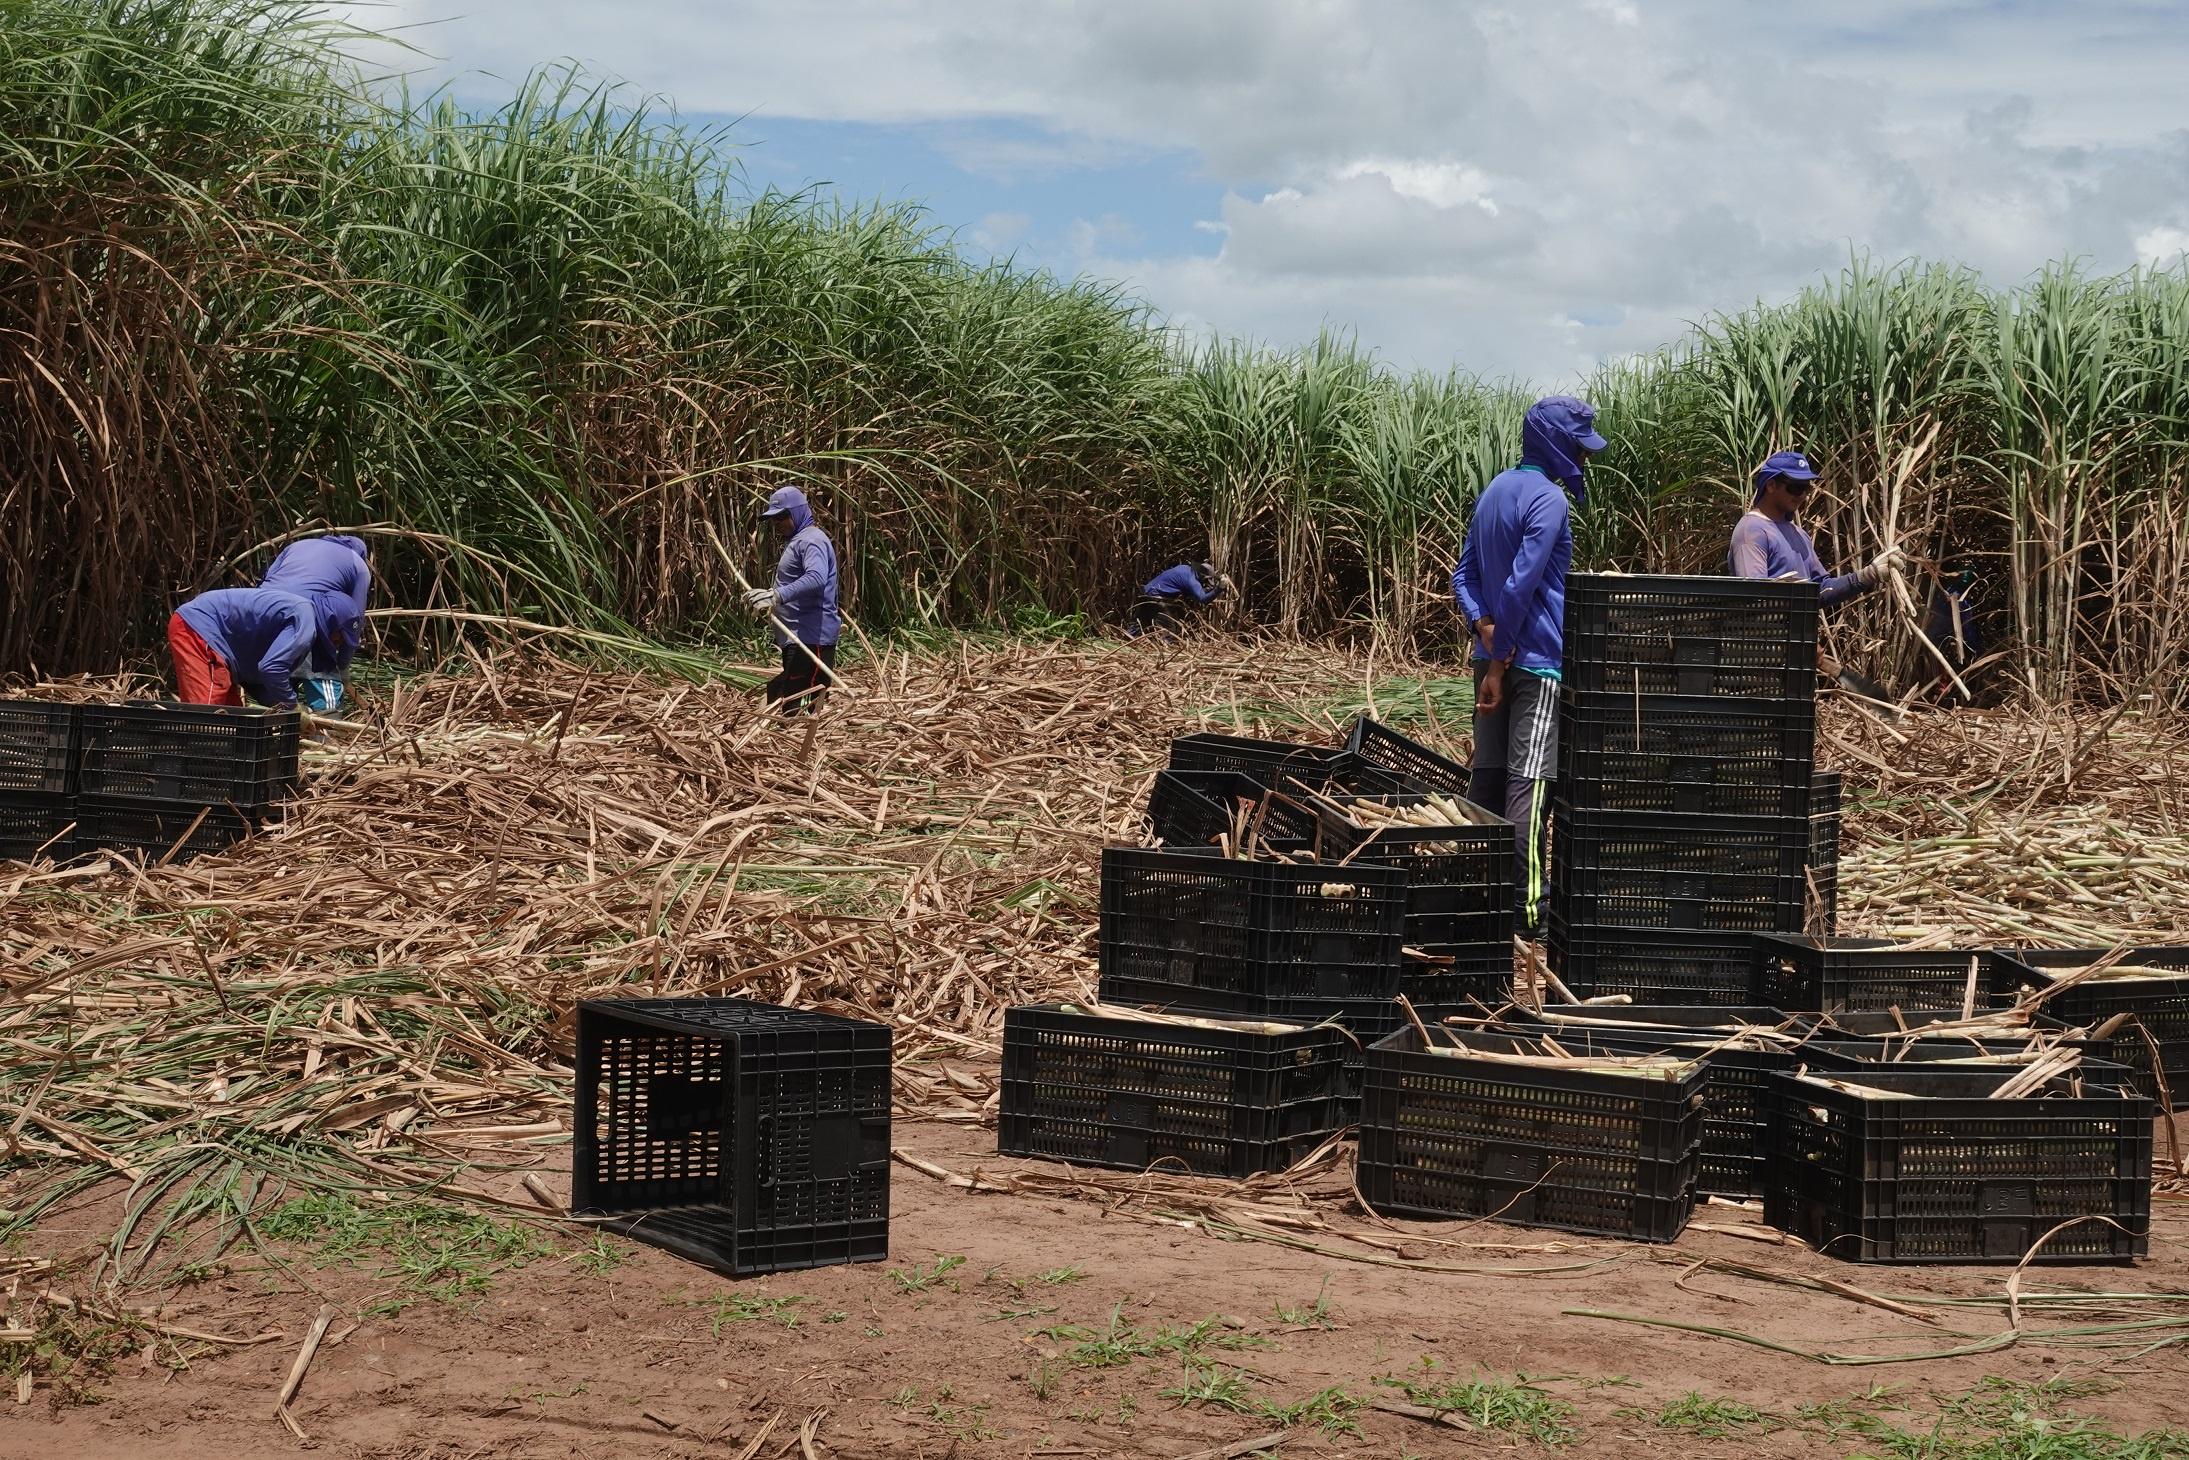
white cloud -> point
(1514, 186)
(2162, 247)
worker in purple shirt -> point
(236, 640)
(1769, 543)
(800, 606)
(1169, 592)
(335, 574)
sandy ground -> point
(654, 1358)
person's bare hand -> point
(1491, 696)
(1484, 632)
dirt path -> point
(653, 1358)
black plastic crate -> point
(1103, 1091)
(1719, 874)
(1824, 802)
(743, 1136)
(1218, 933)
(1691, 755)
(1460, 892)
(188, 754)
(1932, 1170)
(1380, 745)
(1443, 1135)
(1653, 965)
(1736, 1122)
(37, 747)
(36, 824)
(1794, 971)
(2157, 1005)
(1195, 808)
(1872, 1054)
(1732, 637)
(157, 830)
(1273, 763)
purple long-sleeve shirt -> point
(1764, 548)
(263, 635)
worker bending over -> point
(335, 574)
(236, 639)
(803, 602)
(1169, 594)
(1769, 543)
(1511, 587)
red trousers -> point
(201, 676)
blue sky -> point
(1523, 188)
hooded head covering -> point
(790, 502)
(1554, 436)
(340, 627)
(354, 544)
(1789, 464)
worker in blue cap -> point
(1769, 543)
(1163, 602)
(801, 606)
(1511, 586)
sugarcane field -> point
(650, 808)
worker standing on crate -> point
(1169, 594)
(1511, 586)
(335, 573)
(1769, 543)
(236, 639)
(801, 607)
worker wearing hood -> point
(1163, 602)
(334, 574)
(1769, 541)
(1510, 585)
(236, 639)
(801, 606)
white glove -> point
(1892, 560)
(762, 600)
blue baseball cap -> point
(1789, 464)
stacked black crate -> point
(1683, 820)
(37, 780)
(171, 781)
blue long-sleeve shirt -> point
(1766, 548)
(1512, 569)
(263, 635)
(331, 572)
(1179, 582)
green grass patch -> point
(433, 1252)
(1509, 1406)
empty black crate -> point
(36, 824)
(157, 830)
(1459, 879)
(1694, 755)
(744, 1136)
(1274, 763)
(1380, 745)
(1103, 1091)
(1443, 1135)
(1662, 870)
(1824, 799)
(37, 747)
(1871, 1054)
(1194, 808)
(1736, 1123)
(1222, 934)
(189, 754)
(1651, 965)
(1733, 637)
(2159, 1006)
(1794, 971)
(1932, 1170)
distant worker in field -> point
(1769, 543)
(335, 573)
(802, 602)
(1511, 588)
(1175, 591)
(236, 639)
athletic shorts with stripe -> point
(1515, 761)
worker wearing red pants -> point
(236, 640)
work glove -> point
(762, 600)
(1225, 585)
(1872, 573)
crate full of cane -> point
(1201, 808)
(1402, 755)
(1104, 1087)
(1959, 1166)
(1459, 864)
(1677, 635)
(1490, 1125)
(1194, 930)
(1277, 763)
(2140, 1000)
(747, 1137)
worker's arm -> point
(1751, 554)
(809, 575)
(280, 663)
(1830, 590)
(1196, 589)
(1541, 523)
(1467, 583)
